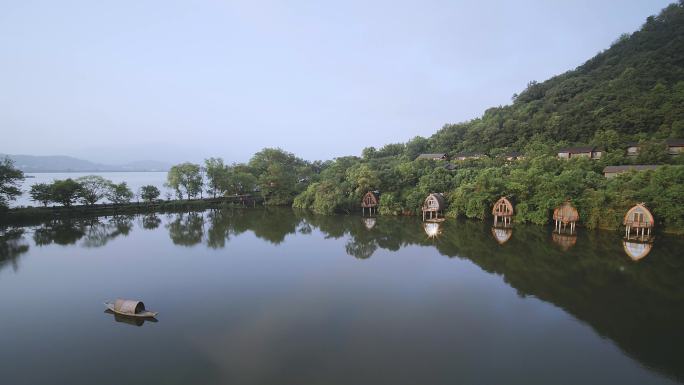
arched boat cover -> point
(129, 306)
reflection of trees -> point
(360, 250)
(150, 221)
(12, 245)
(59, 231)
(187, 229)
(98, 232)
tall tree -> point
(185, 178)
(10, 180)
(65, 191)
(149, 193)
(40, 192)
(119, 193)
(93, 188)
(216, 174)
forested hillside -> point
(635, 88)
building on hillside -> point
(440, 156)
(468, 155)
(675, 146)
(513, 155)
(433, 205)
(503, 209)
(370, 201)
(580, 152)
(612, 171)
(633, 148)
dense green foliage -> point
(10, 179)
(149, 193)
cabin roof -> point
(432, 156)
(578, 150)
(512, 153)
(633, 144)
(641, 208)
(675, 142)
(439, 197)
(468, 154)
(637, 167)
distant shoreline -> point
(80, 172)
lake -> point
(135, 180)
(276, 296)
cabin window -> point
(639, 217)
(432, 203)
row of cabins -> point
(638, 219)
(674, 147)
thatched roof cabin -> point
(639, 217)
(565, 213)
(434, 202)
(502, 208)
(370, 199)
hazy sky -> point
(118, 80)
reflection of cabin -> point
(675, 146)
(640, 219)
(369, 223)
(580, 152)
(502, 209)
(468, 155)
(432, 229)
(636, 250)
(612, 171)
(433, 205)
(565, 214)
(565, 241)
(440, 156)
(370, 201)
(502, 235)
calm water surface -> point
(281, 297)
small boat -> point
(130, 308)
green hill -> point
(634, 88)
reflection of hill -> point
(639, 306)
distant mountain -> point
(61, 163)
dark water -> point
(279, 297)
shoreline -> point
(22, 214)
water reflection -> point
(565, 241)
(369, 223)
(432, 229)
(502, 234)
(12, 245)
(636, 250)
(640, 307)
(135, 321)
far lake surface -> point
(276, 296)
(135, 180)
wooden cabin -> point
(638, 218)
(433, 205)
(565, 214)
(633, 148)
(503, 209)
(370, 201)
(675, 146)
(580, 152)
(468, 155)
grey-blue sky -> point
(175, 80)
